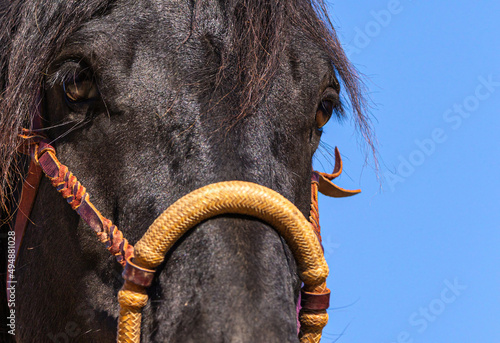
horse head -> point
(145, 102)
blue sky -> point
(415, 257)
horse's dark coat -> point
(191, 93)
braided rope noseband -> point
(235, 197)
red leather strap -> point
(30, 187)
(28, 195)
(138, 275)
(315, 301)
(327, 187)
(337, 170)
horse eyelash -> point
(339, 109)
(66, 73)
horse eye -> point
(329, 102)
(80, 90)
(324, 113)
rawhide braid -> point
(44, 155)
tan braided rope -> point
(235, 197)
(311, 326)
(314, 212)
(313, 322)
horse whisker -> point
(74, 127)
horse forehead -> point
(171, 18)
(168, 24)
(162, 45)
(155, 33)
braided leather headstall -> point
(43, 159)
(139, 270)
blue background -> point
(432, 218)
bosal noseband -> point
(235, 197)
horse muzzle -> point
(231, 197)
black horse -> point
(147, 101)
